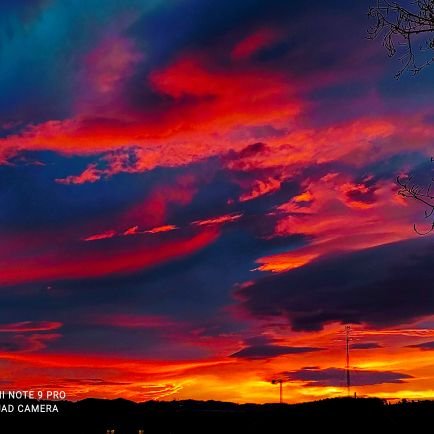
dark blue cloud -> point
(31, 199)
(269, 351)
(424, 346)
(335, 377)
(44, 42)
(380, 286)
(365, 346)
(194, 290)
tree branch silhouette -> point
(422, 194)
(411, 29)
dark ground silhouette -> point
(95, 416)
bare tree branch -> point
(422, 194)
(411, 30)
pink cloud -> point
(30, 326)
(254, 42)
(91, 174)
(111, 62)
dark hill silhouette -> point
(96, 416)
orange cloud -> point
(306, 196)
(134, 230)
(227, 218)
(102, 236)
(159, 229)
(285, 262)
(229, 379)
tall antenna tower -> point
(347, 362)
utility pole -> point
(280, 394)
(347, 364)
(280, 382)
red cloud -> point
(133, 230)
(227, 99)
(208, 107)
(254, 42)
(101, 262)
(133, 321)
(152, 212)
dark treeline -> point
(94, 416)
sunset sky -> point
(196, 196)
